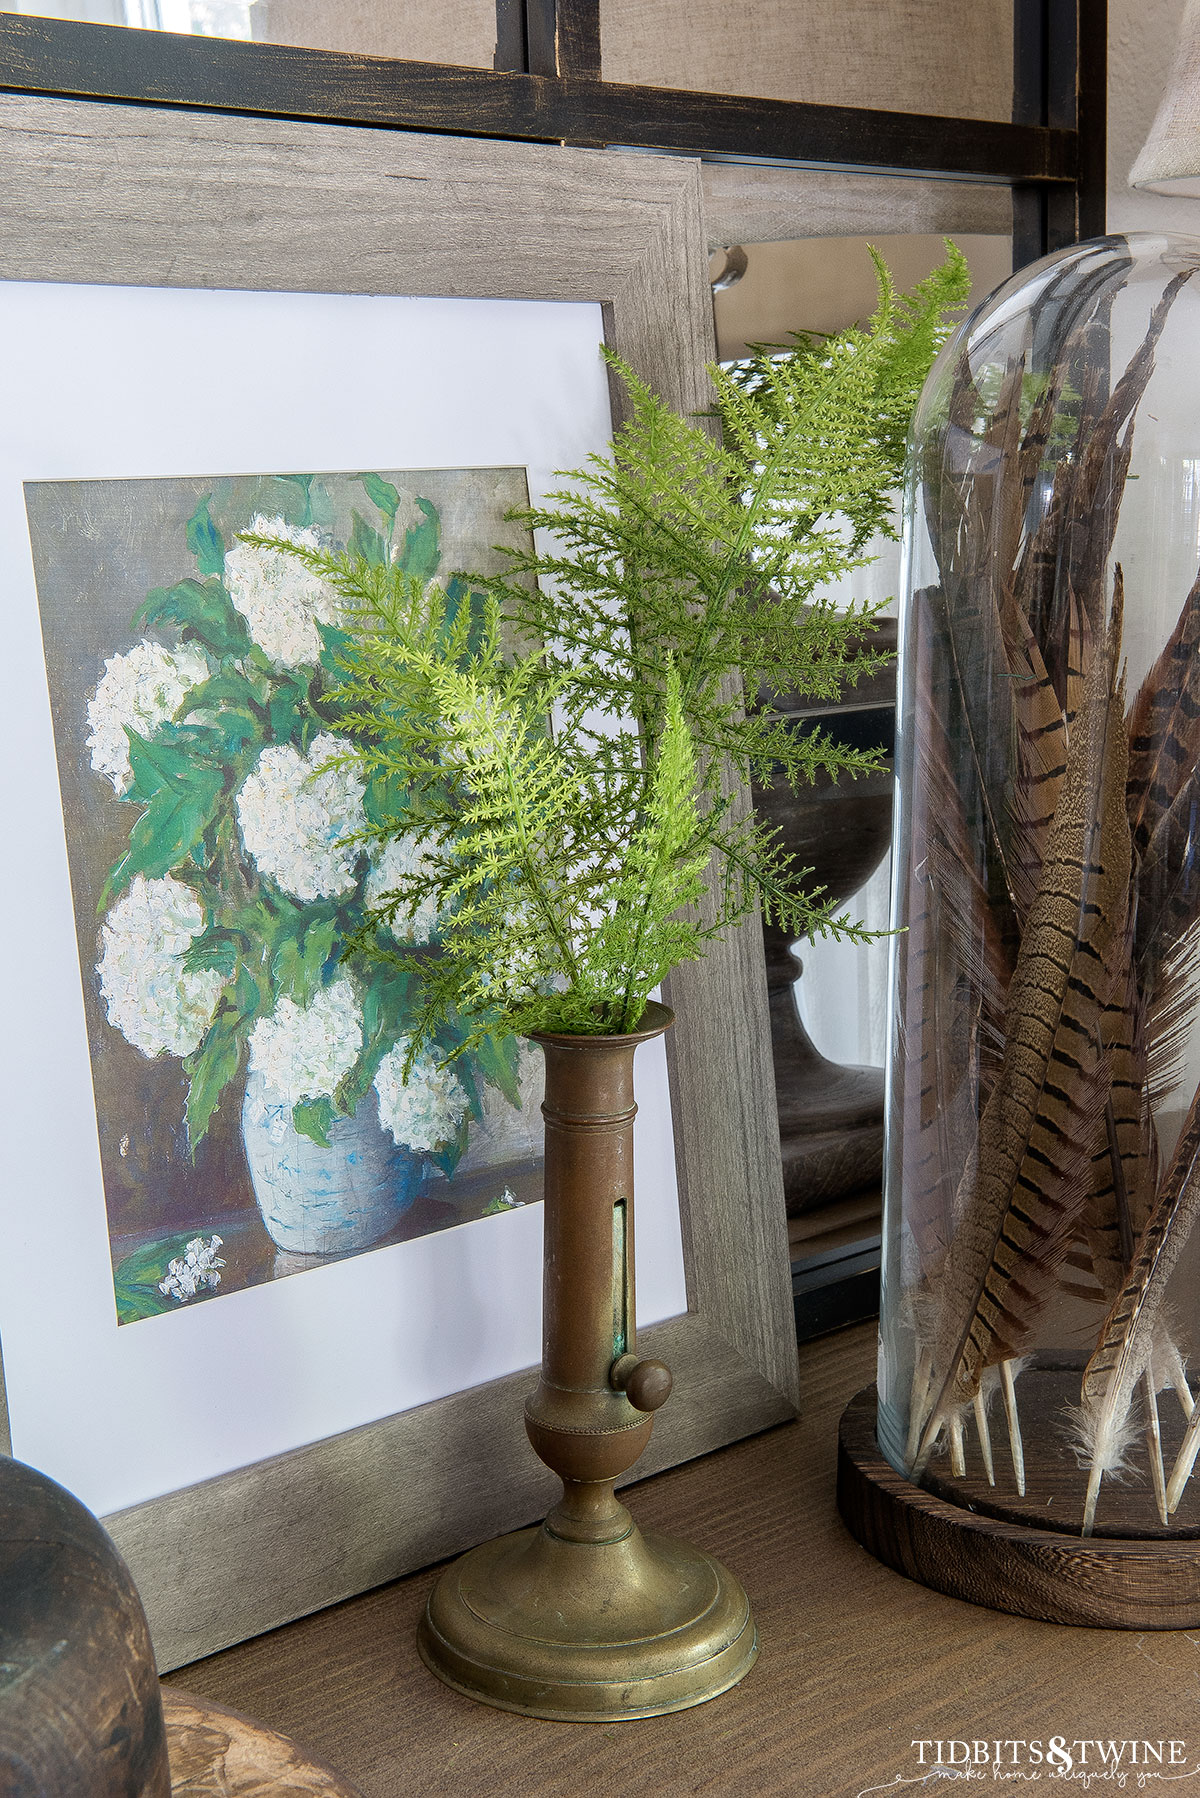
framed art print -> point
(353, 338)
(212, 893)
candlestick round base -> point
(588, 1631)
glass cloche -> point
(1042, 1269)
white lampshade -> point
(1169, 162)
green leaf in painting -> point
(213, 951)
(136, 1278)
(450, 1154)
(210, 1069)
(250, 996)
(201, 608)
(222, 737)
(297, 501)
(457, 591)
(496, 1059)
(236, 729)
(499, 1205)
(319, 940)
(135, 1301)
(204, 540)
(465, 1074)
(382, 494)
(314, 1118)
(387, 1010)
(228, 688)
(213, 742)
(300, 958)
(386, 797)
(366, 542)
(183, 803)
(334, 644)
(287, 711)
(150, 1261)
(156, 763)
(422, 549)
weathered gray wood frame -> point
(132, 194)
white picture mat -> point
(119, 382)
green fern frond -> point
(687, 574)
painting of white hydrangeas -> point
(252, 1113)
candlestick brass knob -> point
(646, 1384)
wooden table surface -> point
(856, 1662)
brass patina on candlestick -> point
(585, 1618)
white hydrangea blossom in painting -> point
(140, 689)
(193, 1272)
(281, 600)
(425, 1113)
(294, 813)
(152, 999)
(303, 1051)
(399, 858)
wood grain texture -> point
(5, 1429)
(735, 1236)
(1098, 1582)
(133, 195)
(562, 37)
(60, 56)
(856, 1661)
(577, 25)
(80, 1715)
(1055, 1481)
(226, 1559)
(745, 204)
(1091, 119)
(215, 1753)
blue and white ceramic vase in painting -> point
(325, 1201)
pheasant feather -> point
(1128, 1336)
(1037, 1130)
(955, 971)
(1164, 726)
(1041, 759)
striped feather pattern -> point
(1164, 726)
(1080, 643)
(1127, 1337)
(1169, 881)
(1167, 936)
(1124, 1162)
(1037, 1131)
(1041, 760)
(942, 996)
(1090, 874)
(967, 496)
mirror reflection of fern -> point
(575, 865)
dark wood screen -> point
(548, 86)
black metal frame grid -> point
(547, 87)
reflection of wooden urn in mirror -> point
(830, 1116)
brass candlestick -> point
(585, 1618)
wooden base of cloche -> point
(992, 1548)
